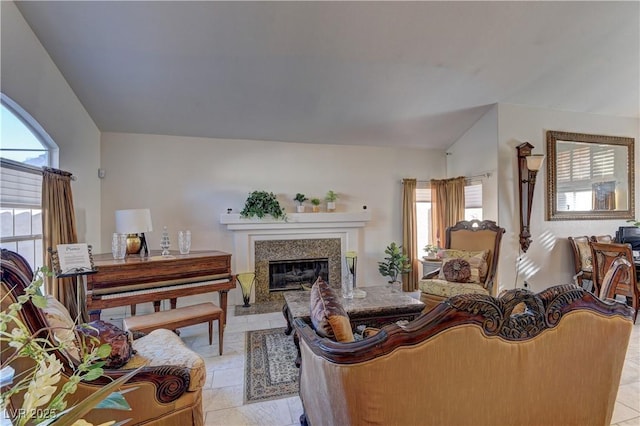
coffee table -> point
(383, 305)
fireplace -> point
(301, 236)
(299, 274)
(295, 264)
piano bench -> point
(179, 317)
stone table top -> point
(379, 300)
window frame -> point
(34, 253)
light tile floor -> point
(223, 393)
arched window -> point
(24, 148)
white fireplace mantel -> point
(348, 227)
(235, 222)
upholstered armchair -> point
(473, 361)
(169, 384)
(469, 262)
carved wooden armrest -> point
(171, 381)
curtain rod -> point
(16, 165)
(480, 176)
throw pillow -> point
(105, 332)
(456, 270)
(477, 262)
(61, 324)
(328, 317)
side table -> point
(430, 265)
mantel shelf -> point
(235, 222)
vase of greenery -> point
(394, 264)
(431, 250)
(315, 202)
(331, 198)
(300, 198)
(262, 203)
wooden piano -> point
(155, 278)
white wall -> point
(549, 260)
(189, 182)
(475, 154)
(30, 78)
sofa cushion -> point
(62, 325)
(164, 347)
(456, 270)
(64, 330)
(445, 288)
(477, 262)
(106, 333)
(328, 317)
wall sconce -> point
(528, 166)
(133, 222)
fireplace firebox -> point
(285, 275)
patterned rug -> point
(270, 371)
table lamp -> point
(134, 223)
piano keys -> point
(156, 278)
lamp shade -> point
(133, 221)
(534, 161)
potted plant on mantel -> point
(262, 203)
(331, 198)
(316, 204)
(300, 198)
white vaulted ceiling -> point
(370, 73)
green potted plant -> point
(331, 198)
(262, 203)
(395, 263)
(300, 198)
(431, 250)
(316, 204)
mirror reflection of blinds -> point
(472, 194)
(578, 168)
(20, 185)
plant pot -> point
(331, 206)
(300, 209)
(315, 209)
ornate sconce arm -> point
(528, 166)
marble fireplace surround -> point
(346, 229)
(267, 250)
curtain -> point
(59, 227)
(409, 233)
(447, 206)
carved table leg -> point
(174, 302)
(296, 341)
(133, 310)
(223, 305)
(287, 316)
(156, 305)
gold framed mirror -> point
(589, 176)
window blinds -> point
(20, 185)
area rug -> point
(270, 371)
